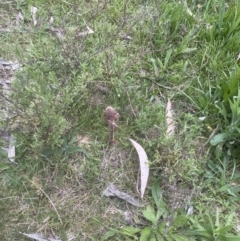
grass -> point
(140, 54)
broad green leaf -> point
(130, 231)
(178, 237)
(154, 66)
(3, 152)
(219, 138)
(145, 234)
(224, 230)
(224, 188)
(168, 55)
(198, 226)
(157, 193)
(108, 234)
(180, 220)
(161, 228)
(50, 151)
(157, 196)
(231, 190)
(161, 213)
(3, 167)
(160, 63)
(152, 239)
(199, 233)
(75, 149)
(230, 218)
(149, 214)
(228, 237)
(168, 238)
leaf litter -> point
(39, 237)
(112, 191)
(169, 119)
(7, 69)
(144, 166)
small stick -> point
(212, 135)
(209, 139)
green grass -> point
(140, 54)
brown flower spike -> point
(110, 116)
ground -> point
(63, 62)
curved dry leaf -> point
(144, 167)
(39, 237)
(169, 119)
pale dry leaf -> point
(169, 119)
(126, 37)
(11, 148)
(84, 33)
(35, 236)
(190, 210)
(33, 14)
(39, 237)
(51, 20)
(202, 118)
(190, 13)
(238, 57)
(144, 165)
(188, 10)
(19, 18)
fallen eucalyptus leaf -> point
(169, 119)
(144, 166)
(11, 149)
(39, 237)
(112, 191)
